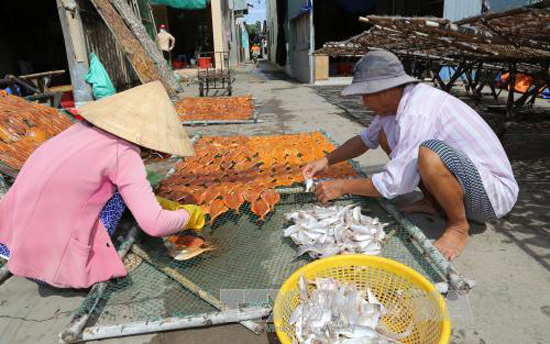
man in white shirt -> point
(165, 41)
(434, 141)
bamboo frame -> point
(144, 64)
(192, 287)
(4, 274)
(136, 26)
(252, 120)
(169, 324)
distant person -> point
(166, 42)
(255, 52)
(434, 141)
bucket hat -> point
(377, 71)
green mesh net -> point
(251, 256)
(251, 260)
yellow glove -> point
(196, 217)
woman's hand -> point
(315, 167)
(330, 190)
(196, 217)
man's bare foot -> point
(421, 206)
(453, 241)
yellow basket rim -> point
(355, 259)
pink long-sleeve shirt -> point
(49, 219)
(426, 113)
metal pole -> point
(141, 327)
(72, 333)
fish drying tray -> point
(251, 261)
(246, 119)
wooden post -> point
(217, 32)
(148, 44)
(436, 77)
(510, 108)
(449, 86)
(77, 55)
(143, 64)
(469, 84)
(321, 67)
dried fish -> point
(271, 198)
(24, 126)
(334, 312)
(252, 194)
(217, 208)
(210, 194)
(216, 109)
(260, 208)
(325, 232)
(232, 164)
(233, 201)
(186, 240)
(188, 252)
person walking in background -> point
(166, 42)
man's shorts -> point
(476, 202)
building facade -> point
(459, 9)
(296, 28)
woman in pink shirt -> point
(50, 218)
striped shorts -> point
(476, 202)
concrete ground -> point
(509, 259)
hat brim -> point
(375, 86)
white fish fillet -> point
(336, 313)
(328, 231)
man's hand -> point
(315, 167)
(330, 190)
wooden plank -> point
(73, 34)
(510, 109)
(142, 63)
(321, 67)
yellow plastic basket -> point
(407, 296)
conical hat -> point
(143, 115)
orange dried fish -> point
(205, 209)
(233, 201)
(186, 240)
(271, 198)
(252, 194)
(217, 208)
(210, 195)
(260, 208)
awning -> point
(181, 4)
